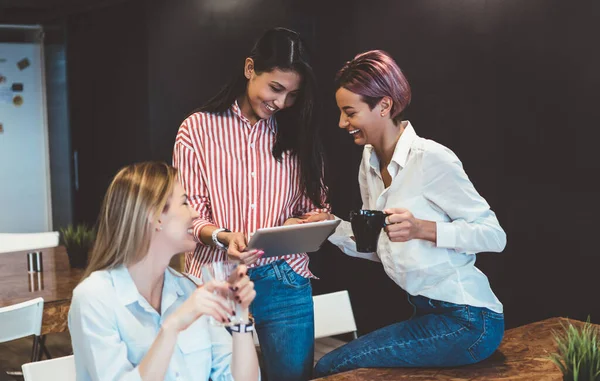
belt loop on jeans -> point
(278, 273)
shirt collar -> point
(271, 123)
(400, 152)
(128, 292)
(172, 289)
(404, 144)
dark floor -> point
(15, 353)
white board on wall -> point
(25, 204)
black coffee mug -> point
(366, 226)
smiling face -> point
(269, 92)
(176, 222)
(356, 117)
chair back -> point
(62, 368)
(21, 320)
(333, 314)
(27, 241)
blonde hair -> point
(137, 195)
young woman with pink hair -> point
(437, 223)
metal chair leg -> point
(42, 348)
(35, 349)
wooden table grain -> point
(523, 356)
(55, 284)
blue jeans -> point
(284, 317)
(439, 334)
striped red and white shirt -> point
(231, 178)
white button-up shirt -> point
(428, 180)
(112, 327)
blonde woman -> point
(134, 318)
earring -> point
(382, 114)
(158, 229)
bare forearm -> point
(206, 234)
(155, 363)
(244, 362)
(427, 231)
(225, 237)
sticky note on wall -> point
(23, 64)
(18, 100)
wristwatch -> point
(243, 327)
(216, 241)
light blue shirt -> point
(428, 180)
(112, 327)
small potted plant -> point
(578, 355)
(78, 241)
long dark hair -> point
(297, 133)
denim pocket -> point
(493, 315)
(458, 311)
(491, 336)
(292, 279)
(261, 272)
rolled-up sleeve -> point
(221, 354)
(190, 177)
(100, 354)
(473, 226)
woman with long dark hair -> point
(251, 158)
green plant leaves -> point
(578, 355)
(77, 237)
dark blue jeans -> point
(284, 317)
(439, 334)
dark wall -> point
(509, 85)
(194, 48)
(108, 90)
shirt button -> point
(251, 145)
(252, 174)
(252, 206)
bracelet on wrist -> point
(243, 327)
(216, 241)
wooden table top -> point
(55, 284)
(523, 355)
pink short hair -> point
(373, 75)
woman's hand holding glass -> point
(242, 287)
(207, 300)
